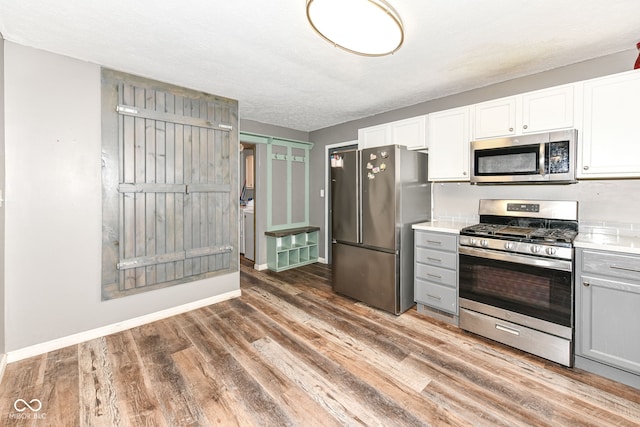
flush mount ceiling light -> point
(363, 27)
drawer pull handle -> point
(434, 297)
(435, 276)
(633, 270)
(434, 259)
(507, 329)
(434, 242)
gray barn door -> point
(170, 185)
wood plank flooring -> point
(290, 352)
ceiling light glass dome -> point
(363, 27)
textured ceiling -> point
(265, 55)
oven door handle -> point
(554, 264)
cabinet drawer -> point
(437, 258)
(434, 295)
(614, 265)
(438, 275)
(445, 242)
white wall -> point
(53, 207)
(2, 190)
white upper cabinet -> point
(532, 112)
(449, 141)
(548, 109)
(495, 118)
(374, 136)
(410, 132)
(611, 138)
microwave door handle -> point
(541, 158)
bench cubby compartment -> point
(292, 248)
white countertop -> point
(609, 236)
(443, 225)
(608, 242)
(617, 241)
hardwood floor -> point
(291, 352)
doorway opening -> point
(247, 200)
(329, 151)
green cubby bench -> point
(292, 247)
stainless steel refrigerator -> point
(376, 195)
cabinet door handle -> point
(435, 276)
(586, 284)
(586, 168)
(525, 127)
(434, 297)
(510, 129)
(434, 242)
(434, 259)
(633, 270)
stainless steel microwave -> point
(537, 158)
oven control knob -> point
(509, 245)
(473, 242)
(551, 251)
(535, 249)
(484, 243)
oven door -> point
(534, 287)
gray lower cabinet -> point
(608, 314)
(436, 274)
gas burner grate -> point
(511, 231)
(542, 234)
(555, 234)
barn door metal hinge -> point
(221, 126)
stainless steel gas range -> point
(516, 275)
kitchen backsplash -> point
(604, 203)
(462, 219)
(614, 228)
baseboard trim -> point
(3, 364)
(45, 347)
(261, 267)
